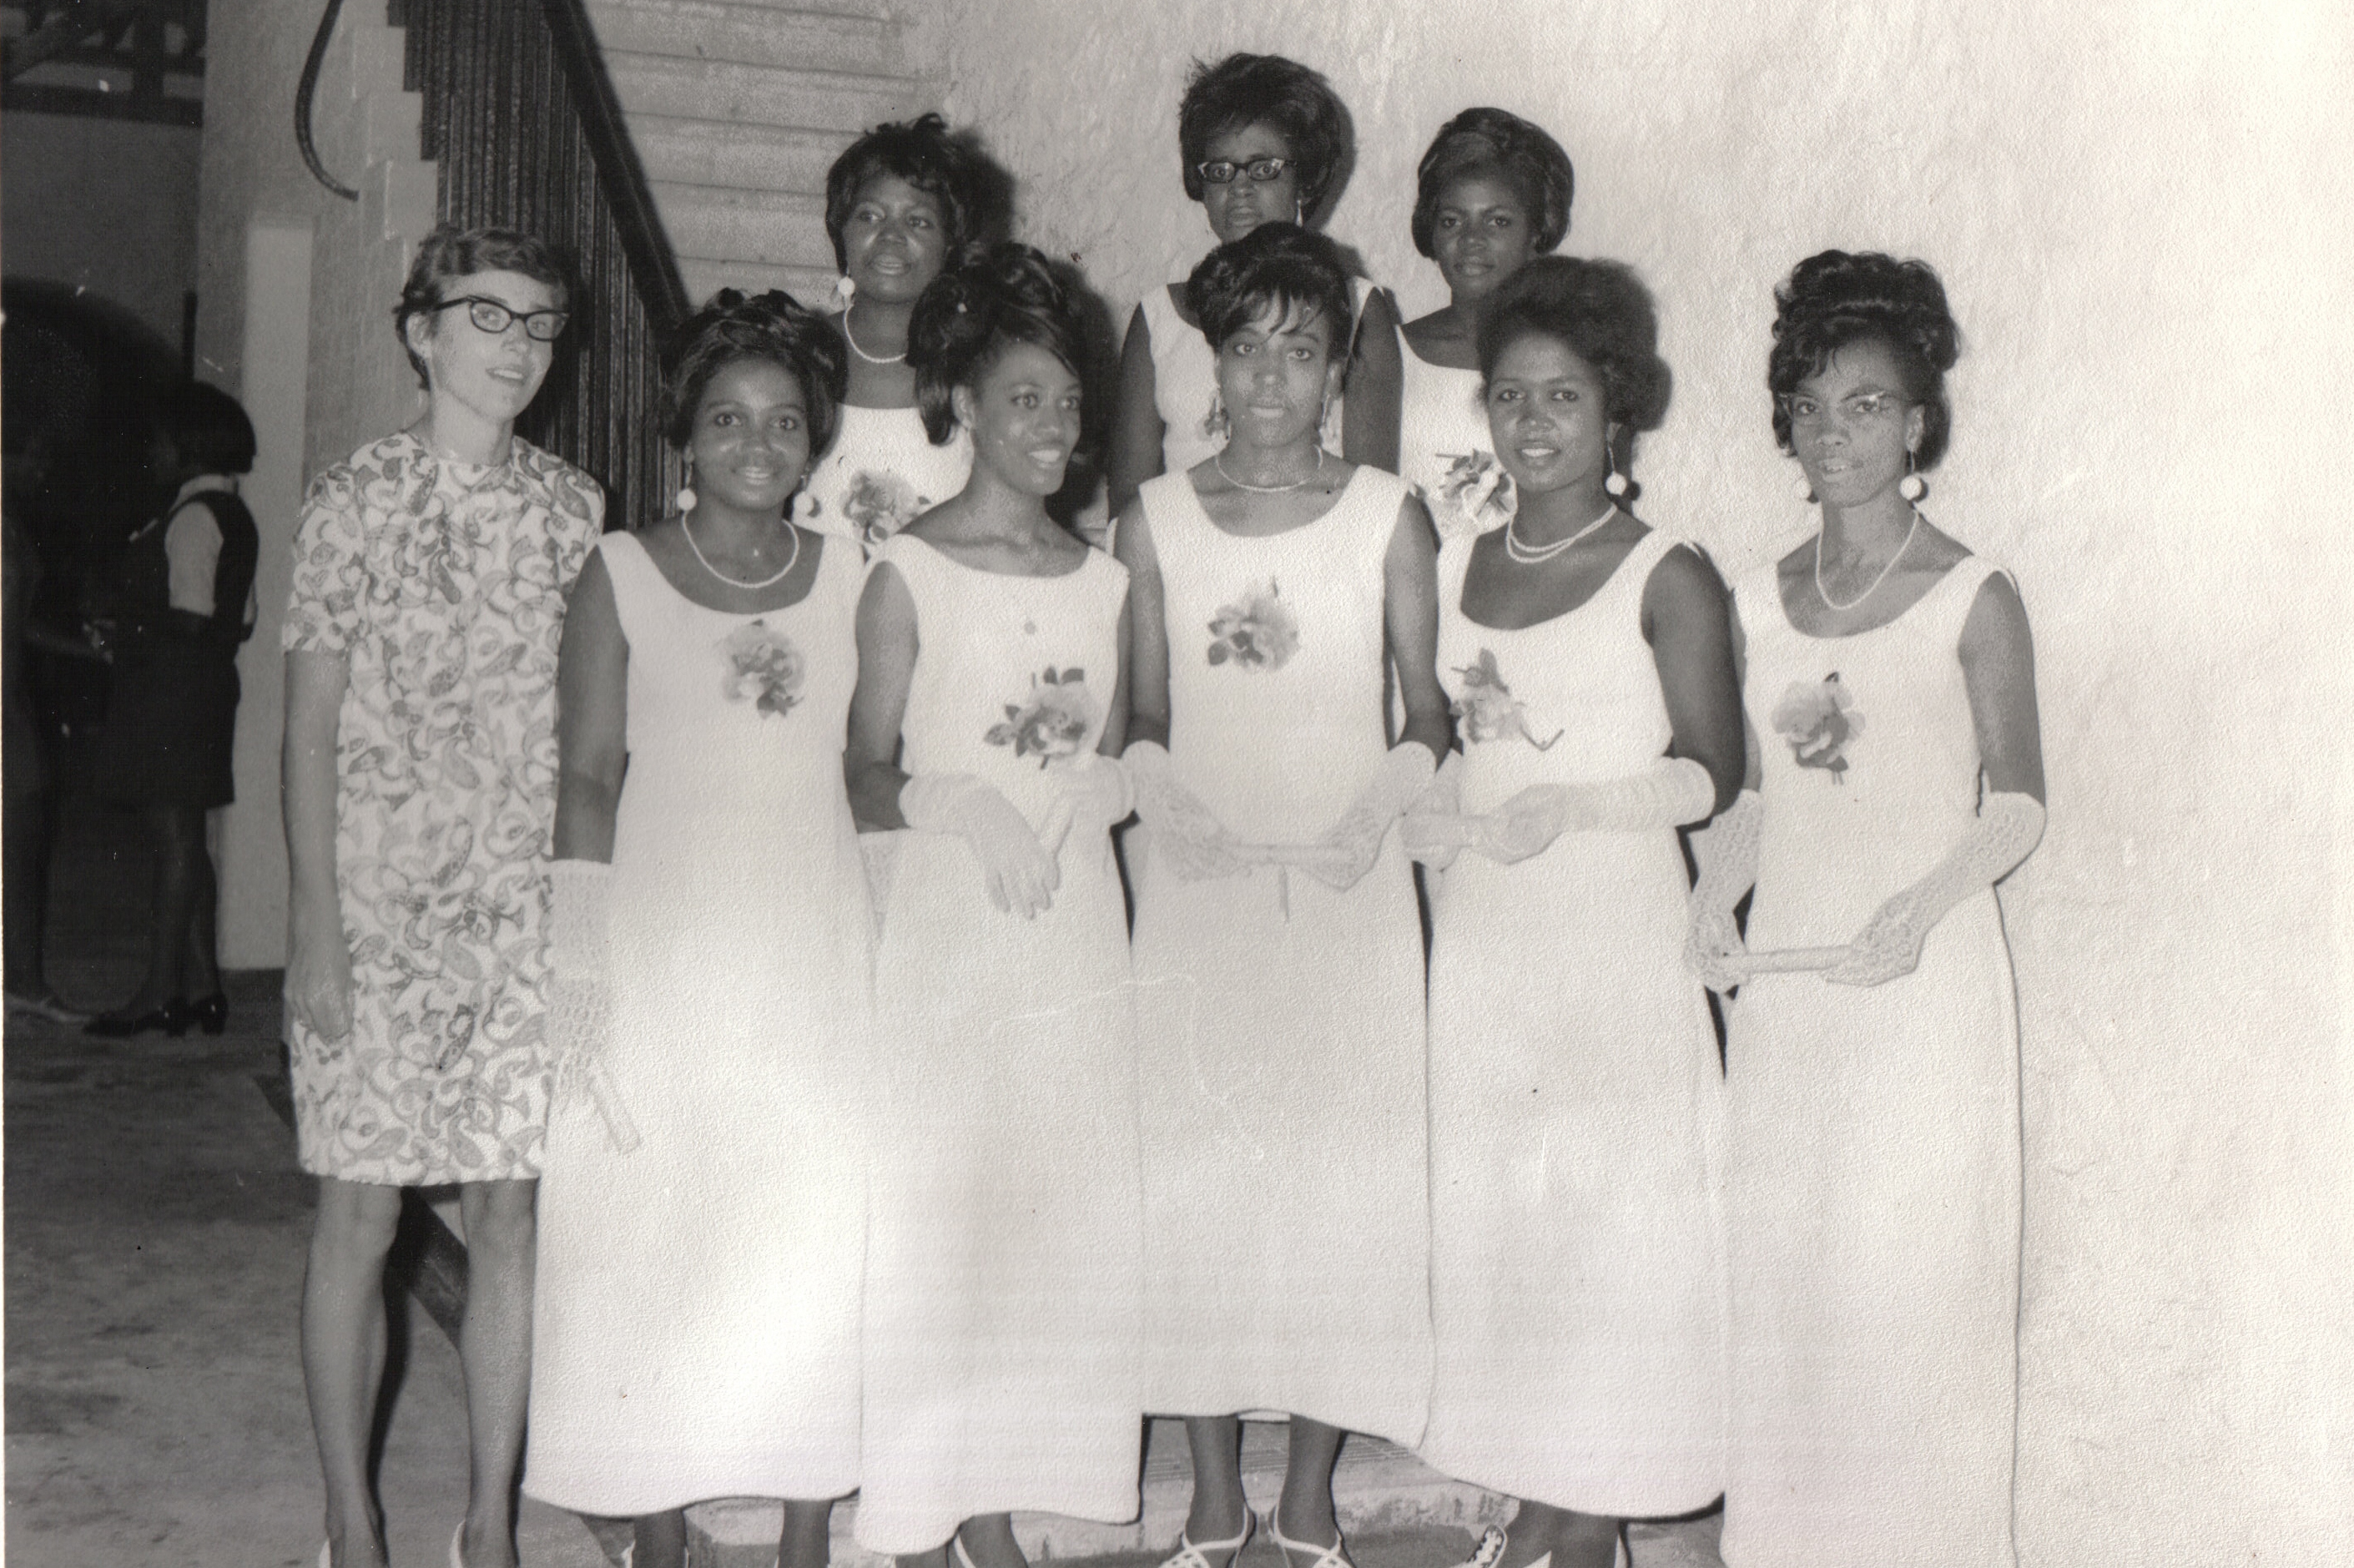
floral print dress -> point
(1873, 1188)
(1281, 1021)
(696, 1315)
(1576, 1102)
(1002, 1270)
(442, 587)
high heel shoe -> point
(1190, 1553)
(1491, 1550)
(172, 1018)
(210, 1014)
(1333, 1556)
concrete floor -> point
(155, 1230)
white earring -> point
(843, 289)
(1805, 489)
(1912, 487)
(687, 489)
(1616, 483)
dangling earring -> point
(1912, 487)
(686, 489)
(843, 289)
(1214, 427)
(1805, 488)
(1615, 485)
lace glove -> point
(1727, 853)
(1017, 870)
(1668, 793)
(1435, 828)
(1186, 837)
(1345, 853)
(2007, 832)
(1096, 797)
(581, 993)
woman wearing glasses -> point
(1262, 139)
(431, 569)
(1873, 1169)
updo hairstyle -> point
(1605, 315)
(774, 327)
(949, 167)
(1275, 266)
(971, 313)
(1836, 299)
(1493, 141)
(1242, 91)
(450, 252)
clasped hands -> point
(1021, 866)
(1190, 841)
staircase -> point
(736, 109)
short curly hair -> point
(1834, 298)
(1267, 89)
(208, 428)
(774, 327)
(1275, 266)
(1490, 140)
(947, 166)
(1604, 314)
(971, 313)
(451, 252)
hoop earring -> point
(1912, 487)
(686, 499)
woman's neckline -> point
(1339, 496)
(817, 569)
(1617, 568)
(1085, 552)
(1782, 600)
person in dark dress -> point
(166, 750)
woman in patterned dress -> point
(1262, 140)
(431, 569)
(901, 203)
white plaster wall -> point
(2136, 208)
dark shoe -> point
(172, 1018)
(210, 1014)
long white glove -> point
(1727, 853)
(580, 990)
(2008, 829)
(1018, 871)
(1186, 836)
(1436, 829)
(1348, 850)
(1668, 793)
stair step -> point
(813, 286)
(783, 229)
(748, 34)
(761, 95)
(749, 157)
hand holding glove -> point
(2008, 829)
(1727, 853)
(1435, 829)
(1186, 837)
(1670, 793)
(1345, 853)
(580, 992)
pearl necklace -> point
(1219, 462)
(851, 339)
(781, 573)
(1530, 555)
(1825, 595)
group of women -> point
(750, 877)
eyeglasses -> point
(489, 315)
(1222, 171)
(1856, 409)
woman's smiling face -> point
(1548, 412)
(493, 375)
(1024, 413)
(895, 239)
(750, 444)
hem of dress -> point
(592, 1499)
(906, 1540)
(1594, 1503)
(423, 1178)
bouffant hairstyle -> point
(450, 252)
(1493, 141)
(207, 429)
(1277, 266)
(773, 326)
(1605, 315)
(1265, 90)
(1835, 299)
(949, 167)
(973, 312)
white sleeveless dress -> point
(1873, 1151)
(695, 1326)
(1575, 1098)
(1287, 1212)
(1445, 449)
(1186, 383)
(881, 473)
(1002, 1271)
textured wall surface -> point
(105, 204)
(2134, 208)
